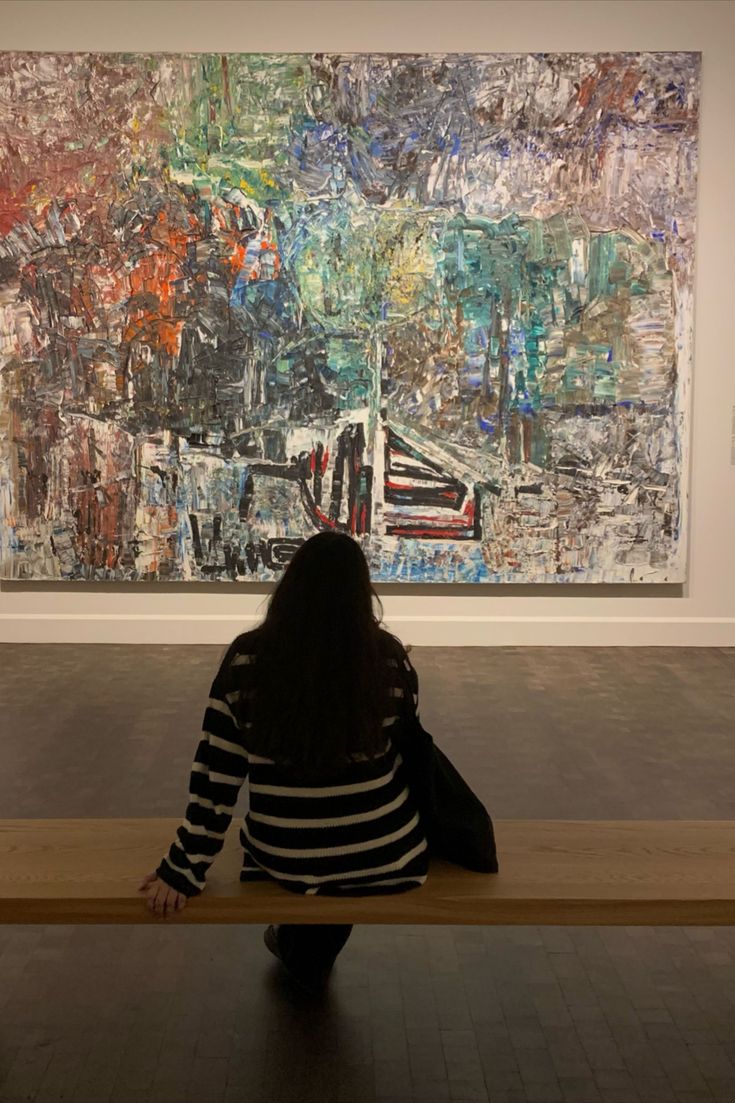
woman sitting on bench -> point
(304, 706)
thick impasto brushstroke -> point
(443, 303)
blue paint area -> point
(679, 90)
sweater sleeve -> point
(218, 772)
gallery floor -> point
(436, 1015)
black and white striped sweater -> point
(360, 836)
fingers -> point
(164, 900)
(157, 904)
(160, 901)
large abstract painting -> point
(440, 302)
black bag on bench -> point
(457, 824)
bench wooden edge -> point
(218, 910)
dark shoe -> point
(270, 937)
(312, 980)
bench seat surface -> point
(600, 872)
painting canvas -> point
(440, 302)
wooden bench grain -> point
(573, 872)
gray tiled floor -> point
(433, 1015)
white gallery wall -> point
(700, 613)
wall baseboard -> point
(429, 631)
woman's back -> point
(353, 829)
(350, 827)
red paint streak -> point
(447, 534)
(390, 485)
(323, 517)
(396, 486)
(586, 89)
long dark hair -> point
(320, 676)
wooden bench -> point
(644, 872)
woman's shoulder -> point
(243, 650)
(392, 648)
